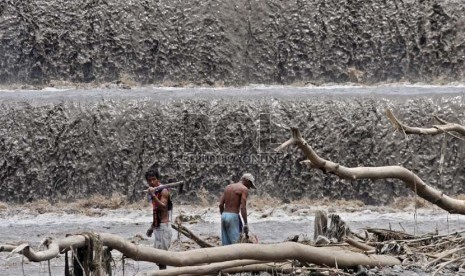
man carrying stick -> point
(161, 203)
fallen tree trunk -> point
(260, 252)
(271, 268)
(410, 179)
(203, 269)
(435, 130)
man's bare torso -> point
(163, 211)
(232, 197)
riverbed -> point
(270, 224)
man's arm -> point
(221, 204)
(244, 194)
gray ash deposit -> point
(231, 42)
(66, 145)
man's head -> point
(152, 177)
(248, 180)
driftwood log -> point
(329, 257)
(411, 180)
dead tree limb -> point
(186, 232)
(435, 130)
(273, 269)
(246, 251)
(441, 266)
(360, 245)
(51, 252)
(386, 235)
(261, 252)
(442, 256)
(203, 269)
(411, 180)
(7, 247)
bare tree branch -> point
(359, 245)
(459, 259)
(7, 247)
(442, 256)
(51, 252)
(186, 232)
(285, 144)
(411, 180)
(435, 130)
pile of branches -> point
(426, 252)
(430, 252)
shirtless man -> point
(234, 199)
(161, 217)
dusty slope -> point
(71, 144)
(232, 42)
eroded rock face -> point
(72, 149)
(231, 42)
